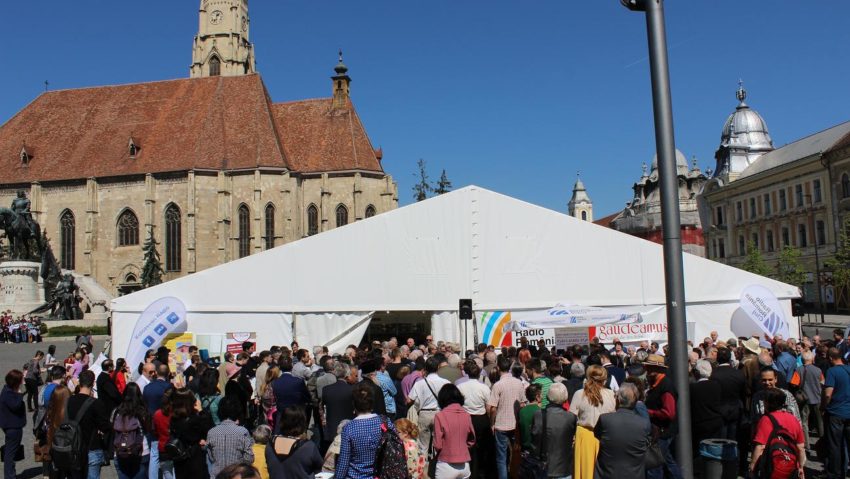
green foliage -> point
(755, 262)
(789, 269)
(152, 268)
(443, 185)
(422, 186)
(74, 330)
(840, 263)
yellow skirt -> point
(587, 446)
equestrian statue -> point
(23, 232)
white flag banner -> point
(570, 316)
(764, 309)
(164, 316)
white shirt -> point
(475, 394)
(142, 381)
(420, 393)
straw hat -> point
(655, 360)
(752, 345)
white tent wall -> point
(334, 330)
(503, 253)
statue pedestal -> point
(21, 291)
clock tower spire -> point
(222, 45)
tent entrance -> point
(399, 324)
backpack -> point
(390, 459)
(67, 447)
(128, 439)
(779, 459)
(312, 387)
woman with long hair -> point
(132, 464)
(55, 417)
(50, 359)
(119, 375)
(360, 437)
(588, 404)
(268, 401)
(190, 428)
(209, 394)
(291, 455)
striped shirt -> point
(507, 391)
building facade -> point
(209, 165)
(772, 198)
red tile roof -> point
(216, 123)
(606, 221)
(316, 137)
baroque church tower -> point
(222, 45)
(580, 205)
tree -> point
(444, 185)
(840, 263)
(789, 269)
(422, 186)
(755, 262)
(152, 267)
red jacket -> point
(453, 434)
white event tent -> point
(503, 253)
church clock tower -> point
(222, 45)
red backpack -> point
(779, 459)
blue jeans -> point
(669, 465)
(132, 468)
(503, 445)
(13, 442)
(153, 463)
(95, 462)
(837, 436)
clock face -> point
(244, 24)
(216, 17)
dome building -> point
(743, 140)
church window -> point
(341, 216)
(370, 211)
(783, 204)
(269, 236)
(173, 240)
(67, 231)
(133, 148)
(244, 231)
(845, 186)
(820, 231)
(769, 240)
(312, 220)
(215, 66)
(128, 228)
(25, 157)
(802, 238)
(767, 204)
(130, 278)
(786, 236)
(816, 191)
(798, 195)
(584, 215)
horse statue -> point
(22, 231)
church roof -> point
(177, 125)
(317, 137)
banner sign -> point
(234, 341)
(163, 317)
(763, 308)
(566, 337)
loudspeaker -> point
(797, 308)
(465, 308)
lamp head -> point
(634, 5)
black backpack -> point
(391, 459)
(67, 448)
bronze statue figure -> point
(23, 232)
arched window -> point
(215, 66)
(845, 186)
(67, 231)
(269, 236)
(341, 216)
(128, 228)
(312, 220)
(370, 211)
(584, 215)
(173, 240)
(244, 231)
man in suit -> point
(733, 388)
(288, 389)
(623, 439)
(706, 400)
(615, 372)
(337, 401)
(107, 391)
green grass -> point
(74, 330)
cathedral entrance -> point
(400, 325)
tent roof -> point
(471, 243)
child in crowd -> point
(261, 438)
(409, 432)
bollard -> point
(720, 458)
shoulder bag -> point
(536, 466)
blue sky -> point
(513, 96)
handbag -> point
(799, 394)
(535, 466)
(177, 451)
(654, 455)
(19, 454)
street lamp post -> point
(817, 260)
(674, 281)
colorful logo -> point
(493, 323)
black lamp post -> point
(817, 259)
(674, 281)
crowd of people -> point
(23, 329)
(395, 410)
